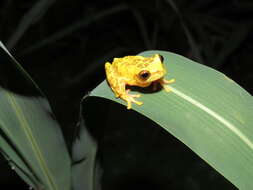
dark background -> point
(64, 44)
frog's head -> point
(152, 70)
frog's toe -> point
(167, 88)
(129, 105)
(133, 95)
(130, 100)
(137, 102)
(163, 82)
(168, 81)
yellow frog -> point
(135, 71)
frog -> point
(136, 70)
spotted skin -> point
(135, 71)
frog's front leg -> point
(119, 89)
(118, 85)
(125, 95)
(163, 83)
(129, 98)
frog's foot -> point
(129, 98)
(163, 82)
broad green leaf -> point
(207, 111)
(30, 137)
(85, 170)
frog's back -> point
(128, 65)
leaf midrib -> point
(25, 126)
(215, 115)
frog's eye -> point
(161, 58)
(144, 75)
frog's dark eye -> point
(144, 75)
(161, 58)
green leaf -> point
(207, 111)
(85, 168)
(30, 137)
